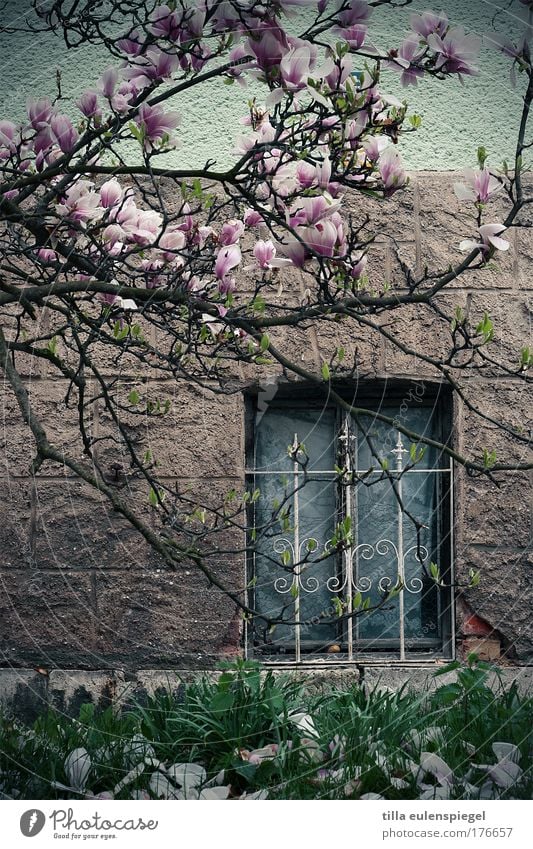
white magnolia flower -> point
(77, 767)
(305, 723)
(490, 238)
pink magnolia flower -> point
(296, 66)
(410, 52)
(145, 226)
(293, 249)
(323, 172)
(40, 112)
(252, 218)
(374, 147)
(227, 258)
(63, 132)
(171, 242)
(358, 12)
(88, 104)
(359, 266)
(264, 252)
(490, 238)
(47, 255)
(480, 185)
(132, 43)
(9, 134)
(110, 193)
(153, 65)
(338, 75)
(265, 255)
(108, 82)
(310, 210)
(456, 51)
(268, 45)
(113, 236)
(121, 100)
(80, 203)
(165, 23)
(156, 123)
(391, 170)
(355, 35)
(306, 174)
(231, 232)
(322, 238)
(429, 22)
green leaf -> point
(526, 358)
(325, 372)
(489, 458)
(475, 578)
(152, 497)
(482, 156)
(134, 397)
(486, 327)
(221, 702)
(265, 342)
(434, 572)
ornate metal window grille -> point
(300, 576)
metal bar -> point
(348, 552)
(296, 565)
(452, 564)
(399, 451)
(334, 474)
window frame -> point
(371, 394)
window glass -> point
(385, 541)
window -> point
(350, 517)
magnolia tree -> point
(112, 243)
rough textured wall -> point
(456, 119)
(80, 591)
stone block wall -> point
(80, 590)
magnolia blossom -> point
(88, 104)
(428, 23)
(80, 203)
(296, 66)
(155, 122)
(252, 218)
(355, 35)
(490, 238)
(231, 232)
(40, 112)
(110, 193)
(268, 45)
(265, 255)
(9, 134)
(63, 132)
(108, 82)
(405, 60)
(154, 64)
(358, 13)
(480, 185)
(456, 51)
(227, 258)
(391, 170)
(165, 23)
(171, 242)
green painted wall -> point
(455, 118)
